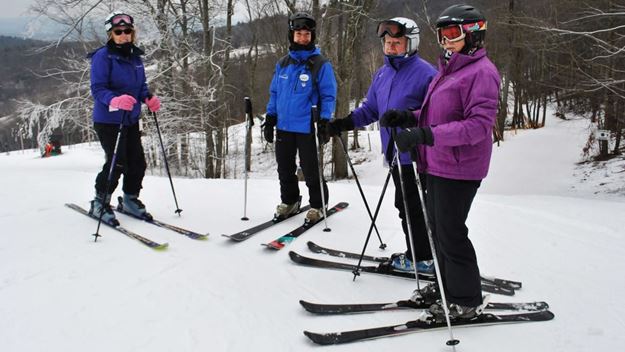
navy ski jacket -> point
(113, 75)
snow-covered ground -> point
(534, 220)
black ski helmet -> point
(302, 20)
(472, 21)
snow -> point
(539, 218)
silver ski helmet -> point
(398, 27)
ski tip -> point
(162, 247)
(294, 256)
(275, 245)
(321, 339)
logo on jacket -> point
(284, 76)
(304, 78)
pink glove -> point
(123, 102)
(154, 103)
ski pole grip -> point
(314, 113)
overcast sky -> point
(14, 8)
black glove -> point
(268, 125)
(409, 138)
(322, 131)
(336, 126)
(398, 118)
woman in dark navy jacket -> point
(118, 86)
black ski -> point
(385, 269)
(245, 234)
(282, 241)
(513, 285)
(180, 230)
(328, 309)
(424, 325)
(145, 241)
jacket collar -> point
(398, 62)
(458, 61)
(303, 55)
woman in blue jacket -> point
(301, 79)
(118, 87)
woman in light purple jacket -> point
(454, 138)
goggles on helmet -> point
(392, 28)
(302, 23)
(457, 32)
(121, 20)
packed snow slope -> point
(60, 291)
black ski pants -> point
(419, 233)
(448, 204)
(130, 159)
(288, 145)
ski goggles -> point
(125, 31)
(121, 20)
(457, 32)
(392, 28)
(302, 23)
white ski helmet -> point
(398, 27)
(118, 18)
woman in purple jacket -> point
(118, 86)
(454, 135)
(401, 83)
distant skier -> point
(118, 86)
(301, 79)
(454, 136)
(400, 83)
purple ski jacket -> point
(401, 83)
(460, 107)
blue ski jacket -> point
(114, 75)
(291, 94)
(401, 83)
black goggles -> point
(302, 23)
(392, 28)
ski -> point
(328, 309)
(384, 269)
(180, 230)
(145, 241)
(514, 285)
(245, 234)
(424, 324)
(282, 241)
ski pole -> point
(362, 194)
(160, 138)
(248, 135)
(356, 271)
(405, 202)
(315, 118)
(452, 341)
(109, 178)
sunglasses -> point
(125, 31)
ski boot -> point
(457, 311)
(284, 210)
(314, 215)
(132, 205)
(101, 204)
